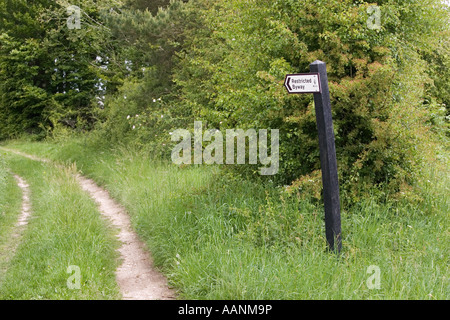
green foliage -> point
(439, 90)
(146, 121)
(232, 70)
(22, 101)
(149, 43)
(224, 62)
(143, 110)
(50, 75)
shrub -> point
(232, 71)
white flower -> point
(171, 133)
(128, 117)
(134, 127)
(162, 116)
(154, 100)
(159, 99)
(137, 115)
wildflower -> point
(134, 127)
(154, 100)
(162, 116)
(128, 117)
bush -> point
(232, 71)
(136, 118)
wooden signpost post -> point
(316, 82)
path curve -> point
(136, 277)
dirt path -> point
(136, 276)
(26, 204)
(14, 238)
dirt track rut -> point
(136, 277)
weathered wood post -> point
(328, 160)
(316, 82)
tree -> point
(22, 82)
(49, 74)
(148, 45)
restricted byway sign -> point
(302, 83)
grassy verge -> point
(10, 205)
(65, 238)
(220, 237)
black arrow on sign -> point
(288, 82)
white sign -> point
(303, 83)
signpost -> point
(303, 83)
(306, 83)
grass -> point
(10, 205)
(217, 236)
(65, 230)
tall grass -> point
(218, 236)
(10, 204)
(65, 230)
